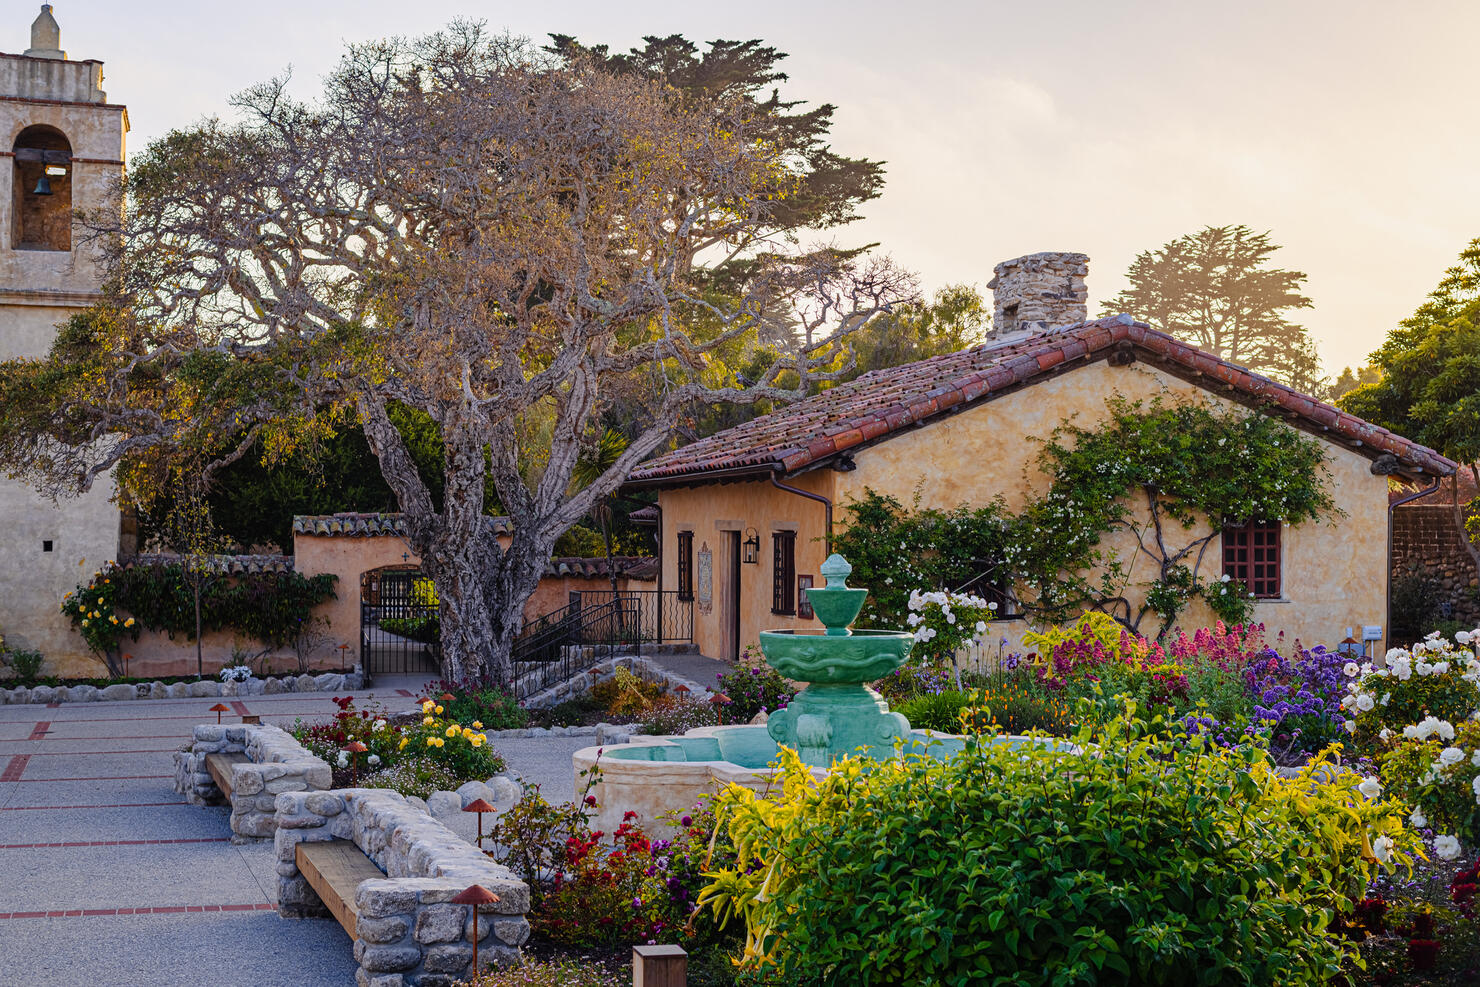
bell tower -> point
(61, 150)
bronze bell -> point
(43, 185)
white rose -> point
(1440, 668)
(1476, 759)
(1365, 702)
(1445, 730)
(1476, 785)
(1370, 787)
(1384, 734)
(1418, 819)
(1351, 669)
(1351, 726)
(343, 759)
(981, 627)
(1382, 849)
(380, 724)
(1447, 847)
(1451, 755)
(1463, 637)
(373, 760)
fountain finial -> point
(836, 604)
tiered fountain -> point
(837, 715)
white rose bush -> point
(944, 623)
(1417, 714)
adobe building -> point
(745, 512)
(63, 151)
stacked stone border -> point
(203, 689)
(277, 764)
(408, 932)
(602, 669)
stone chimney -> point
(1037, 293)
(46, 36)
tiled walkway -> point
(107, 877)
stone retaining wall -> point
(603, 669)
(278, 764)
(203, 689)
(408, 931)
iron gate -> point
(400, 625)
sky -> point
(1345, 129)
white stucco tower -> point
(63, 146)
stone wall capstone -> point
(407, 930)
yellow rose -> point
(431, 741)
(426, 707)
(452, 731)
(477, 740)
(477, 725)
(427, 722)
(129, 622)
(441, 742)
(439, 710)
(84, 622)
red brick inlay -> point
(403, 692)
(173, 910)
(15, 768)
(40, 730)
(240, 707)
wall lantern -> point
(752, 547)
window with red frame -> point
(784, 572)
(1251, 554)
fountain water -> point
(837, 715)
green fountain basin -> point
(817, 656)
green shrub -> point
(26, 663)
(426, 629)
(938, 711)
(486, 702)
(1137, 858)
(754, 690)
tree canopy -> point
(500, 239)
(1215, 289)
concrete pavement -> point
(109, 878)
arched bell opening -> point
(42, 190)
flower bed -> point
(413, 759)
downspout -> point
(826, 504)
(1408, 499)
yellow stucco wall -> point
(1334, 572)
(710, 512)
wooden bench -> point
(334, 869)
(219, 765)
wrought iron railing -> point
(554, 647)
(663, 617)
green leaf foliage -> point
(270, 607)
(1138, 857)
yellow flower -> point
(478, 740)
(477, 725)
(452, 731)
(84, 622)
(426, 707)
(440, 741)
(112, 620)
(439, 710)
(129, 622)
(467, 734)
(427, 722)
(404, 742)
(431, 741)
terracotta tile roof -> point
(351, 525)
(882, 402)
(644, 515)
(230, 565)
(628, 566)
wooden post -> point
(660, 966)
